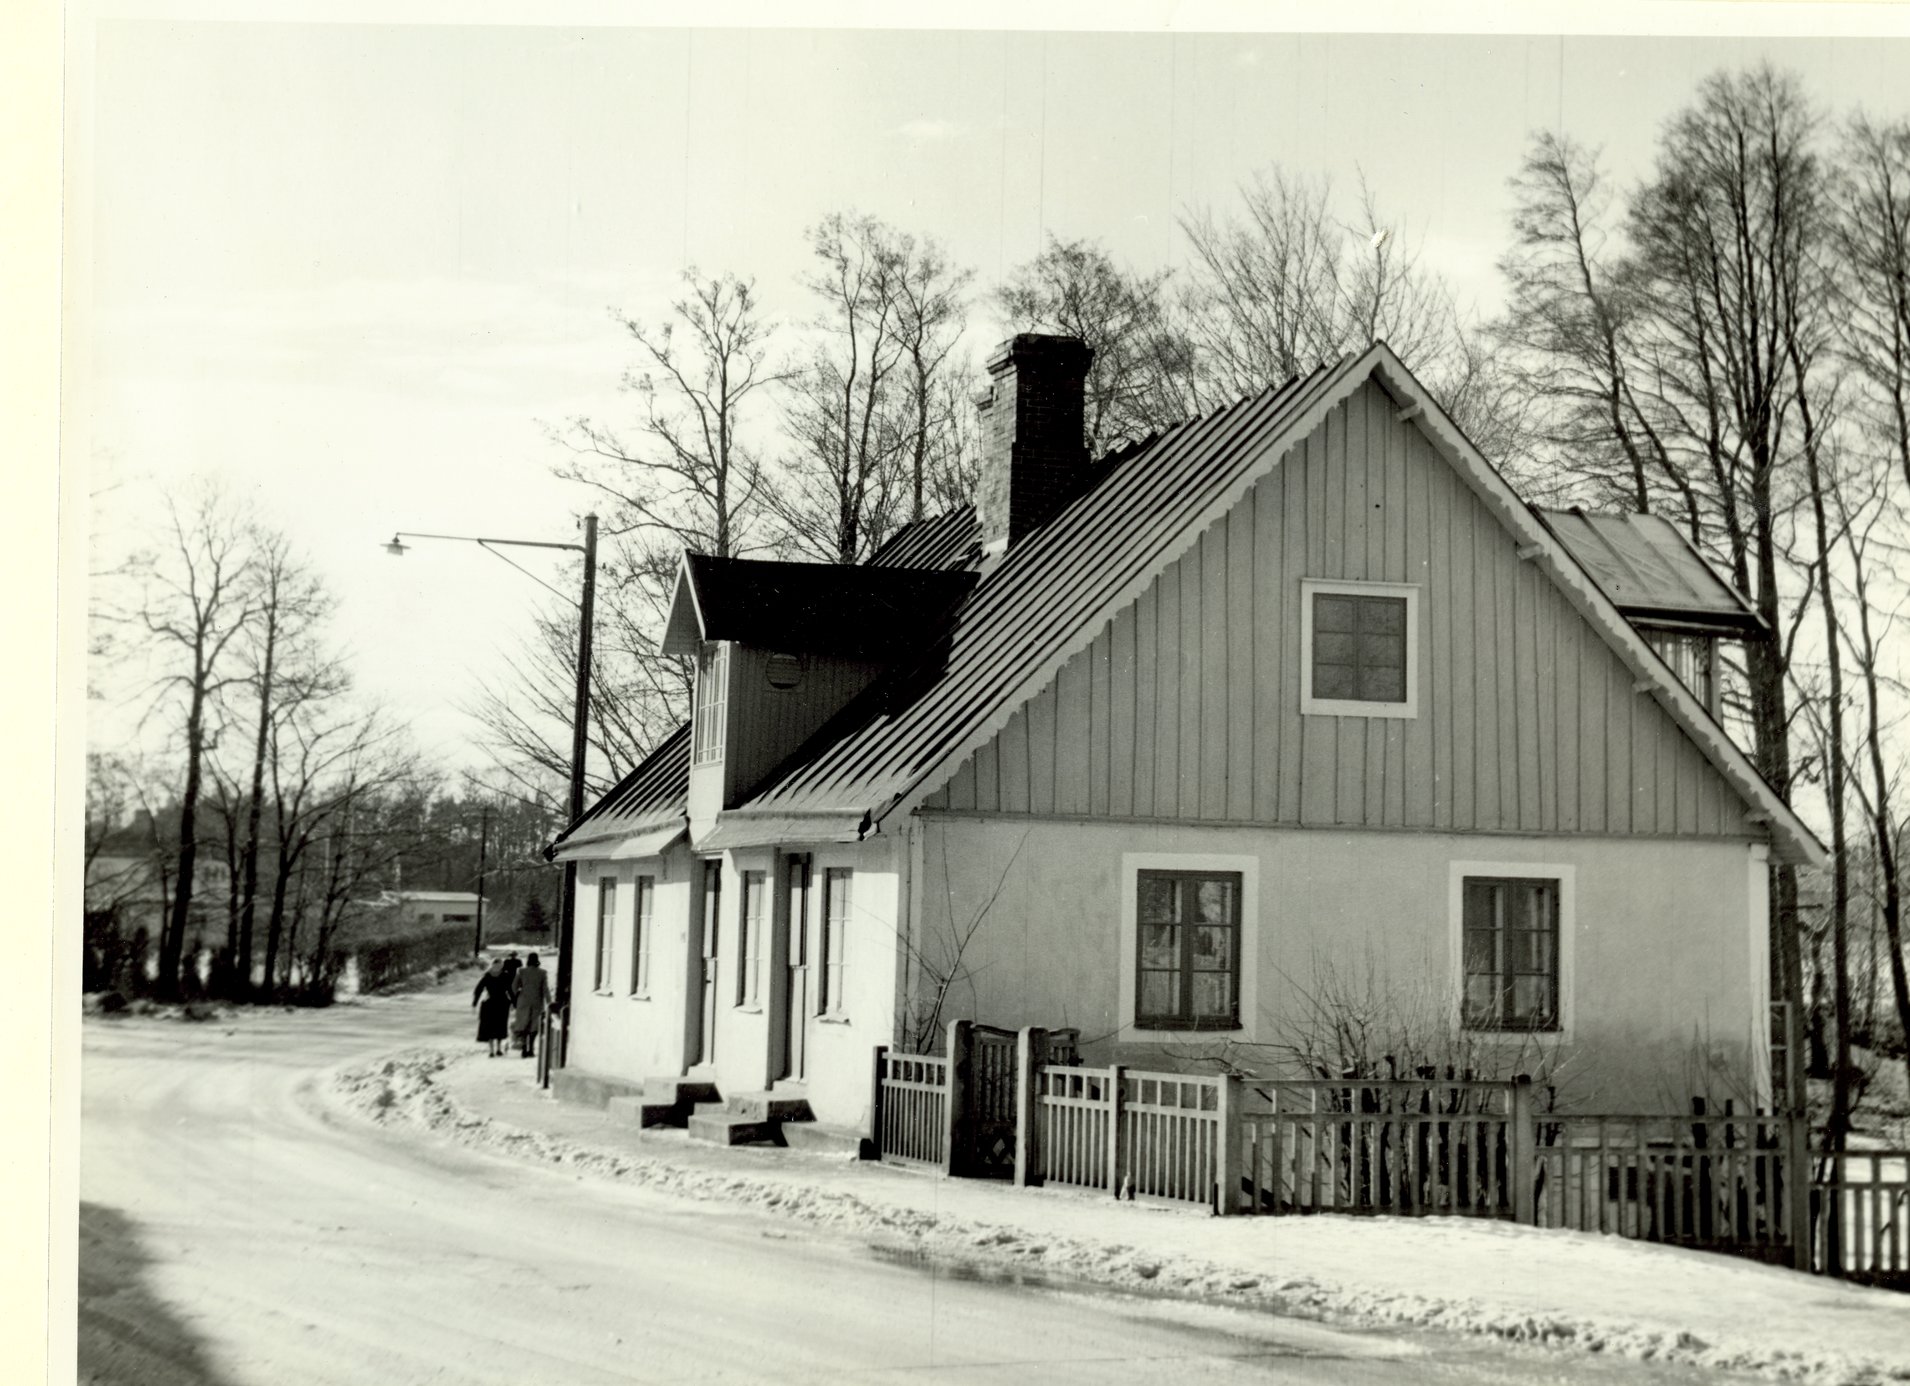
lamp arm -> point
(478, 539)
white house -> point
(1294, 706)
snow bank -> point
(1562, 1290)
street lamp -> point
(567, 911)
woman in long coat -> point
(492, 997)
(532, 995)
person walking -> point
(511, 965)
(532, 996)
(492, 998)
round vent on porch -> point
(783, 670)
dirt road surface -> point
(236, 1229)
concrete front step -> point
(728, 1128)
(768, 1106)
(590, 1089)
(818, 1139)
(669, 1101)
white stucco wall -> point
(1664, 964)
(620, 1035)
(613, 1032)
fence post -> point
(1115, 1077)
(875, 1100)
(1797, 1189)
(1227, 1150)
(1522, 1143)
(960, 1039)
(1030, 1047)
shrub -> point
(387, 959)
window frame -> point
(606, 934)
(1184, 1017)
(1563, 878)
(838, 885)
(1310, 705)
(754, 892)
(710, 711)
(643, 904)
(1247, 945)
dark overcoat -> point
(493, 998)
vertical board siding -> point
(1188, 705)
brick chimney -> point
(1033, 453)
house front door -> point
(712, 900)
(796, 971)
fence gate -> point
(982, 1073)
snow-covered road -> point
(236, 1229)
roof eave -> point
(683, 630)
(1792, 842)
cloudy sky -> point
(357, 271)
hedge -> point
(386, 959)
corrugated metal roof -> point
(948, 540)
(653, 795)
(1650, 571)
(1054, 590)
(1043, 593)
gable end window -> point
(712, 696)
(1511, 951)
(1360, 649)
(1187, 937)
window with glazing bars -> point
(836, 882)
(1359, 648)
(749, 960)
(642, 907)
(1187, 972)
(712, 696)
(1511, 953)
(606, 926)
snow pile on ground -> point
(1644, 1302)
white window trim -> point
(1348, 707)
(1567, 877)
(1248, 869)
(606, 959)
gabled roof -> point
(1050, 595)
(846, 610)
(1649, 569)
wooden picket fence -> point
(1708, 1181)
(1748, 1185)
(911, 1107)
(1155, 1135)
(1403, 1148)
(1861, 1216)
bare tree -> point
(199, 595)
(1282, 284)
(1677, 356)
(286, 670)
(863, 411)
(931, 313)
(1568, 327)
(1141, 379)
(1871, 243)
(682, 476)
